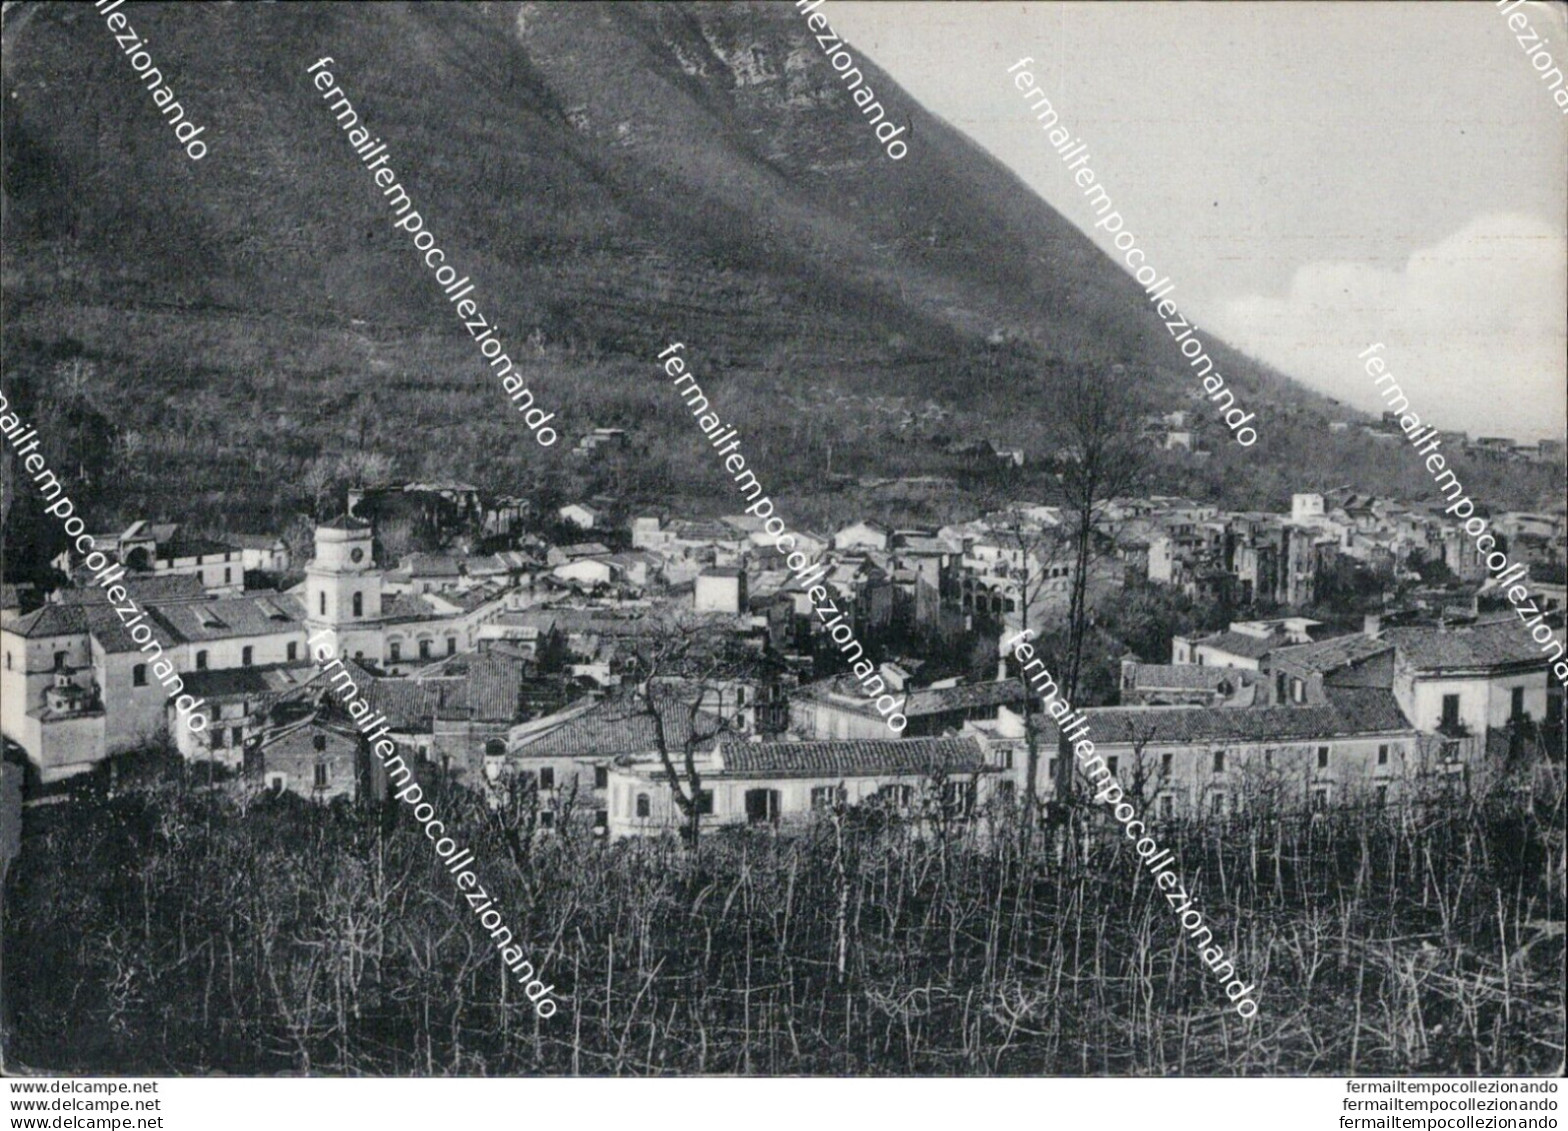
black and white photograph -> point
(783, 545)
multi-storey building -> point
(1174, 762)
(82, 681)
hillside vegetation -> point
(612, 177)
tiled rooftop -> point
(1331, 655)
(1241, 644)
(228, 617)
(269, 679)
(853, 757)
(1485, 644)
(50, 620)
(936, 701)
(1350, 711)
(1187, 677)
(617, 726)
(144, 589)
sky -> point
(1314, 177)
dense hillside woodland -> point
(254, 449)
(168, 928)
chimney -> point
(1371, 625)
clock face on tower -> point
(356, 555)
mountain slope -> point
(612, 176)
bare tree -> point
(1038, 547)
(316, 481)
(364, 468)
(74, 378)
(1103, 456)
(1142, 781)
(680, 669)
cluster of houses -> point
(1247, 556)
(517, 668)
(1495, 449)
(1185, 430)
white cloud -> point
(1476, 328)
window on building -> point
(218, 738)
(424, 649)
(323, 775)
(138, 675)
(762, 806)
(60, 659)
(1167, 806)
(898, 796)
(1110, 765)
(321, 602)
(705, 802)
(201, 660)
(601, 777)
(740, 697)
(1516, 706)
(1279, 687)
(644, 806)
(823, 796)
(1219, 761)
(1050, 770)
(1320, 799)
(547, 818)
(1322, 757)
(246, 654)
(319, 742)
(293, 651)
(277, 782)
(1165, 764)
(1217, 804)
(1004, 757)
(451, 645)
(359, 604)
(228, 575)
(1382, 754)
(547, 777)
(601, 820)
(394, 651)
(1298, 690)
(958, 798)
(1381, 798)
(1450, 751)
(1450, 711)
